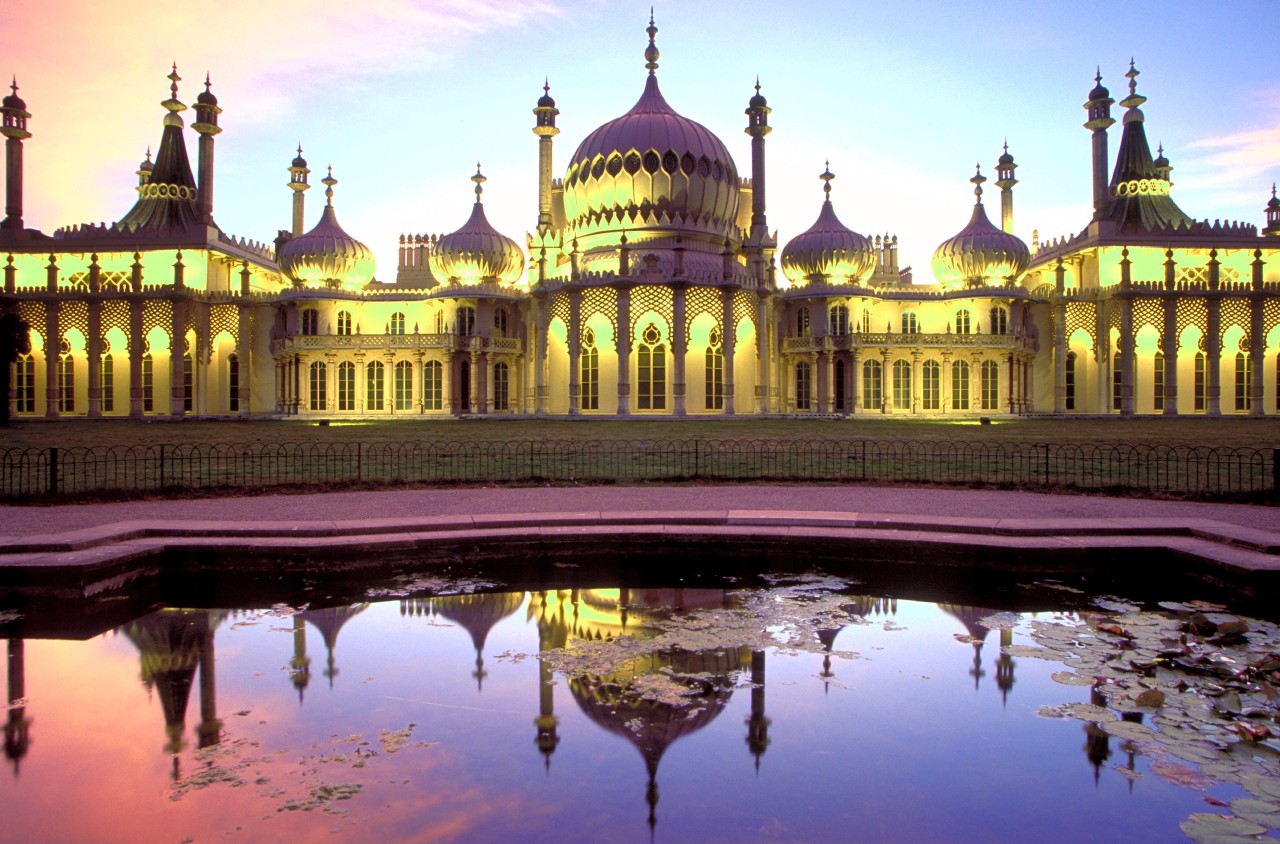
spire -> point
(1138, 193)
(328, 181)
(977, 181)
(651, 52)
(479, 179)
(173, 104)
(826, 178)
(170, 199)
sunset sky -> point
(403, 98)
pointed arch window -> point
(1071, 381)
(500, 322)
(403, 385)
(148, 383)
(960, 385)
(804, 385)
(1157, 382)
(999, 320)
(319, 384)
(990, 386)
(395, 325)
(802, 322)
(188, 383)
(375, 385)
(963, 321)
(838, 320)
(931, 385)
(1198, 388)
(466, 321)
(865, 325)
(24, 384)
(910, 323)
(902, 384)
(714, 380)
(589, 372)
(839, 377)
(108, 383)
(433, 385)
(1244, 377)
(651, 371)
(501, 386)
(1117, 376)
(66, 379)
(439, 321)
(310, 322)
(346, 386)
(872, 386)
(344, 323)
(233, 383)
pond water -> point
(794, 709)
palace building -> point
(651, 284)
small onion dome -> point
(545, 101)
(758, 101)
(1005, 159)
(206, 96)
(298, 160)
(828, 250)
(13, 100)
(146, 166)
(980, 252)
(1273, 204)
(327, 254)
(477, 251)
(1099, 91)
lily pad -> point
(1221, 829)
(1071, 678)
(1259, 811)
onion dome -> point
(206, 97)
(828, 250)
(1099, 91)
(980, 252)
(477, 251)
(326, 255)
(758, 100)
(13, 100)
(1273, 213)
(1005, 158)
(298, 160)
(145, 169)
(651, 168)
(545, 101)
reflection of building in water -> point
(865, 606)
(17, 728)
(173, 644)
(1097, 741)
(477, 614)
(329, 621)
(971, 618)
(612, 701)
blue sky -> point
(404, 97)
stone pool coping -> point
(1230, 550)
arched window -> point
(344, 323)
(433, 385)
(838, 376)
(651, 371)
(466, 322)
(931, 385)
(501, 386)
(865, 325)
(1244, 377)
(404, 385)
(1117, 375)
(1071, 381)
(319, 393)
(148, 383)
(902, 384)
(589, 371)
(910, 325)
(999, 320)
(963, 325)
(24, 384)
(1199, 390)
(395, 325)
(960, 385)
(108, 383)
(188, 383)
(346, 386)
(714, 380)
(233, 383)
(500, 322)
(804, 385)
(1157, 382)
(310, 322)
(802, 322)
(375, 385)
(439, 321)
(990, 385)
(66, 380)
(872, 388)
(838, 320)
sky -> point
(403, 97)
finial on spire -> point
(479, 179)
(174, 79)
(1133, 78)
(13, 86)
(546, 85)
(148, 153)
(329, 182)
(1098, 77)
(1006, 144)
(651, 52)
(207, 83)
(977, 181)
(826, 178)
(299, 148)
(757, 83)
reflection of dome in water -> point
(477, 614)
(329, 621)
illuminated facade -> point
(650, 285)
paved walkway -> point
(413, 503)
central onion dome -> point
(476, 252)
(828, 250)
(327, 254)
(650, 169)
(979, 253)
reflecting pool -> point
(793, 709)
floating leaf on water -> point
(1262, 812)
(1070, 678)
(1183, 775)
(1089, 712)
(1150, 698)
(1221, 829)
(1001, 620)
(1028, 652)
(1051, 712)
(1129, 730)
(1267, 787)
(1114, 604)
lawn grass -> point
(1233, 432)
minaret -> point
(14, 128)
(758, 724)
(298, 184)
(757, 127)
(206, 125)
(1273, 215)
(1099, 109)
(1162, 165)
(17, 728)
(545, 129)
(1005, 181)
(144, 171)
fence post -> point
(531, 444)
(359, 462)
(1275, 472)
(161, 484)
(697, 449)
(53, 471)
(1046, 463)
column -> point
(482, 382)
(1257, 336)
(1102, 357)
(1213, 342)
(1169, 336)
(762, 355)
(944, 385)
(855, 381)
(975, 383)
(446, 383)
(822, 375)
(623, 348)
(52, 349)
(244, 356)
(886, 382)
(1060, 339)
(917, 389)
(1126, 350)
(177, 349)
(539, 356)
(1012, 397)
(93, 345)
(679, 347)
(575, 351)
(137, 348)
(728, 345)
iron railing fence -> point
(1195, 471)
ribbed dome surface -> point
(326, 255)
(477, 252)
(828, 251)
(648, 163)
(979, 253)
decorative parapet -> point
(946, 342)
(396, 342)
